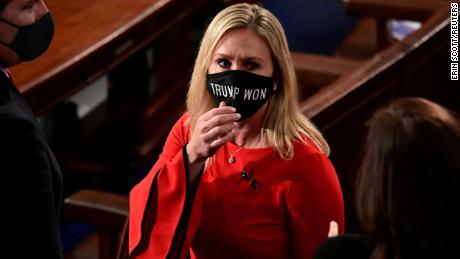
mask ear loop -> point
(9, 23)
(4, 44)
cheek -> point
(270, 72)
(7, 33)
(214, 68)
(267, 70)
(8, 57)
(24, 18)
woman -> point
(250, 178)
(407, 189)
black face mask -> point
(32, 40)
(245, 91)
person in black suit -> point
(30, 177)
(407, 190)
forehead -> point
(243, 42)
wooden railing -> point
(91, 38)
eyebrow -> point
(30, 2)
(245, 58)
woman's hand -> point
(333, 229)
(212, 130)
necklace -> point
(232, 158)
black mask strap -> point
(9, 23)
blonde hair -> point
(285, 122)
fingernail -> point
(233, 109)
(238, 115)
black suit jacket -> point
(30, 182)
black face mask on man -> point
(244, 91)
(32, 40)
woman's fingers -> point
(214, 128)
(218, 120)
(220, 141)
(217, 111)
(333, 229)
(218, 131)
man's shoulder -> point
(13, 126)
(10, 110)
(4, 95)
(9, 106)
(15, 122)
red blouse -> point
(278, 209)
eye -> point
(224, 63)
(252, 65)
(29, 5)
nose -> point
(237, 66)
(40, 9)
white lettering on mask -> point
(225, 90)
(212, 87)
(255, 94)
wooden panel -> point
(380, 63)
(316, 71)
(361, 43)
(104, 210)
(157, 119)
(85, 249)
(92, 36)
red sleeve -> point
(159, 200)
(314, 198)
